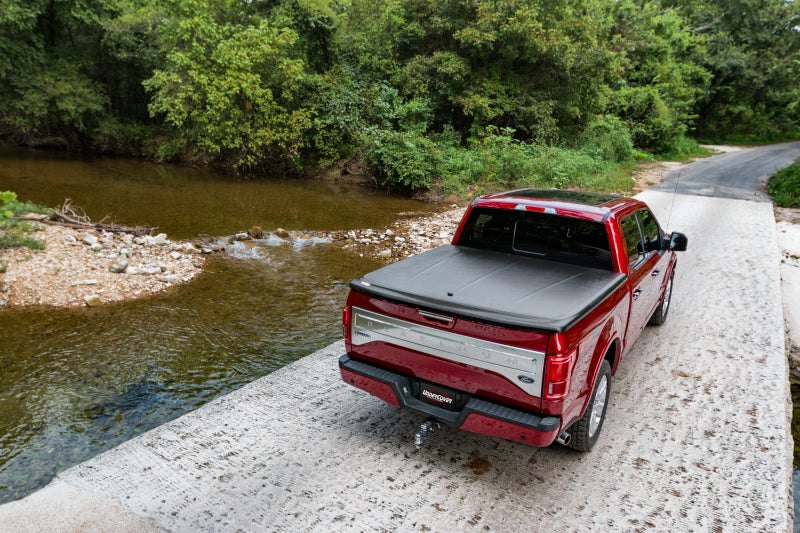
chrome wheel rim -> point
(667, 295)
(598, 405)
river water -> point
(76, 382)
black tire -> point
(660, 314)
(584, 432)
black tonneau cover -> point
(505, 289)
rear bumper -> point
(477, 416)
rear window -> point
(551, 237)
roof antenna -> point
(674, 194)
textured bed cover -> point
(504, 289)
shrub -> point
(609, 139)
(6, 198)
(784, 186)
(402, 158)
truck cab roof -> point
(577, 204)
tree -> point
(751, 49)
(230, 84)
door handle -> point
(655, 273)
(637, 293)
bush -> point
(6, 198)
(402, 158)
(14, 233)
(499, 161)
(784, 186)
(653, 124)
(609, 139)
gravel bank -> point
(89, 268)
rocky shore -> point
(406, 237)
(90, 268)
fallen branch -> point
(74, 217)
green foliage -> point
(609, 139)
(47, 83)
(14, 233)
(6, 198)
(500, 161)
(784, 186)
(425, 91)
(401, 158)
(751, 51)
(231, 87)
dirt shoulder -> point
(78, 267)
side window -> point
(630, 230)
(649, 230)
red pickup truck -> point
(515, 329)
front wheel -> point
(585, 431)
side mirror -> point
(678, 242)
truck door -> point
(657, 261)
(640, 266)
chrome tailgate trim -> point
(524, 368)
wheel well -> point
(611, 355)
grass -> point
(784, 186)
(503, 164)
(15, 233)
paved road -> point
(739, 174)
(697, 435)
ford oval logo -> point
(526, 379)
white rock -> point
(92, 300)
(90, 240)
(119, 266)
(160, 239)
(84, 282)
(127, 238)
(168, 279)
(151, 270)
(175, 255)
(385, 253)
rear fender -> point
(608, 343)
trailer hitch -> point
(428, 426)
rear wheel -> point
(660, 314)
(584, 432)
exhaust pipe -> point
(429, 425)
(563, 439)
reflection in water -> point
(184, 202)
(77, 382)
(74, 383)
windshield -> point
(546, 236)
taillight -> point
(346, 323)
(559, 367)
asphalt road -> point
(696, 437)
(740, 174)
